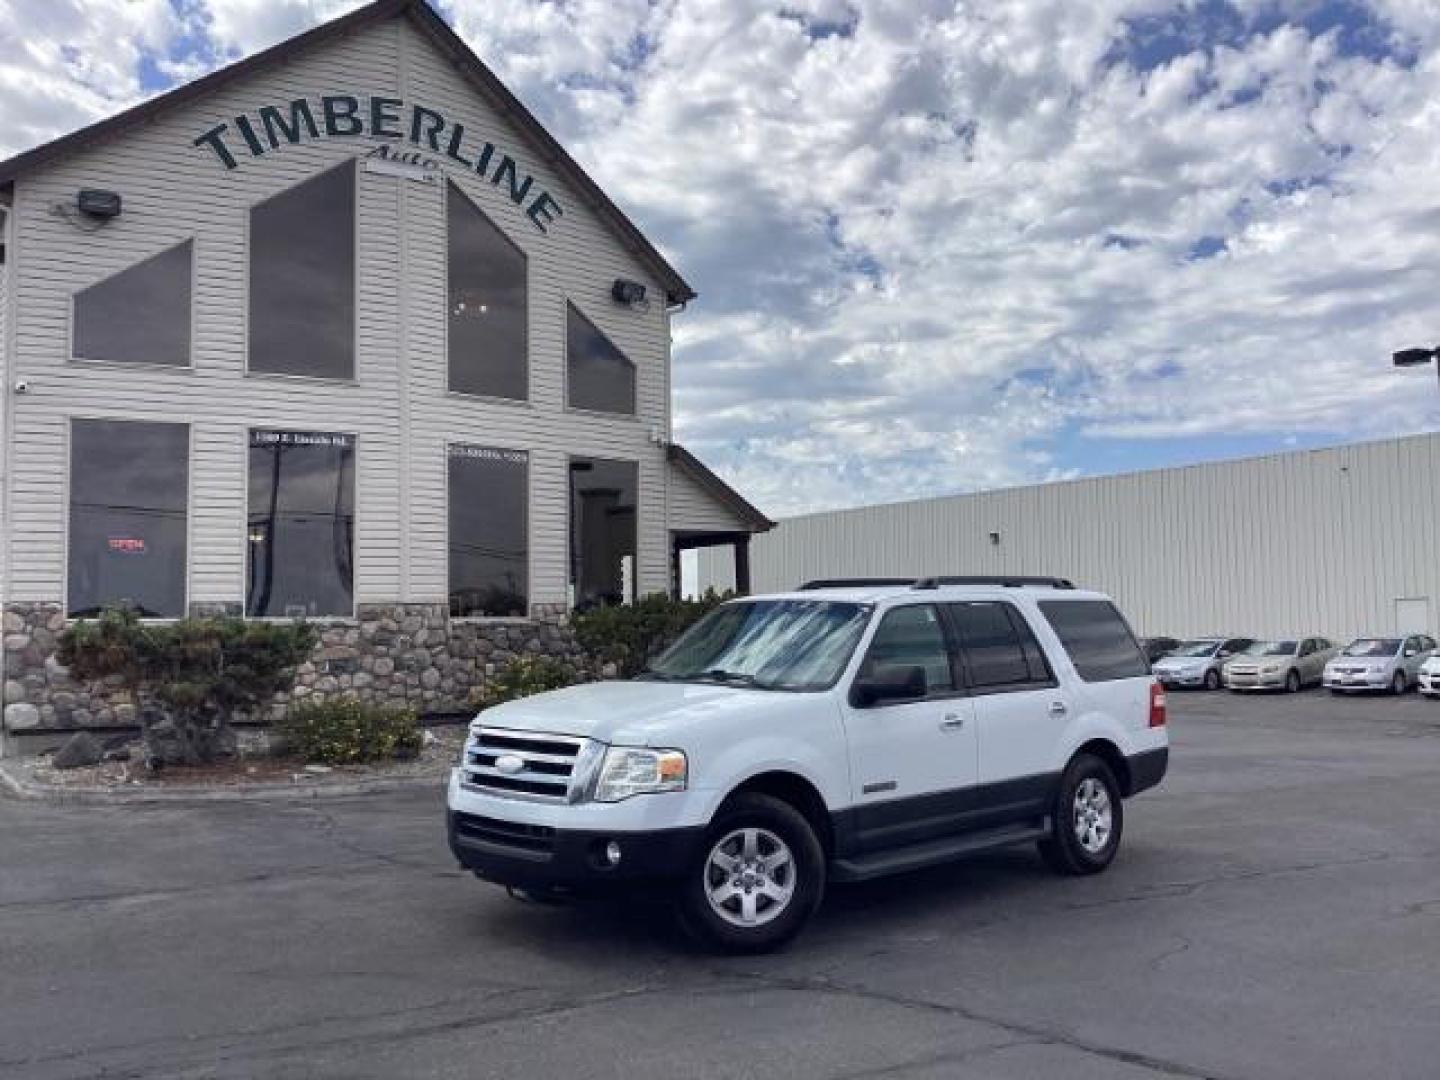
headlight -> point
(627, 771)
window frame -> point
(319, 380)
(1022, 627)
(581, 410)
(68, 493)
(142, 365)
(529, 536)
(354, 615)
(528, 401)
(958, 681)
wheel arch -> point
(792, 788)
(1109, 753)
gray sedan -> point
(1198, 662)
(1379, 663)
(1280, 665)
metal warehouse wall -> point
(1325, 541)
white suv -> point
(836, 733)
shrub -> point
(630, 635)
(524, 676)
(343, 731)
(188, 678)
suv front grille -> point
(549, 763)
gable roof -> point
(718, 489)
(470, 66)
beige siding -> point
(1321, 541)
(694, 509)
(397, 407)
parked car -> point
(833, 734)
(1198, 663)
(1428, 682)
(1280, 665)
(1156, 647)
(1379, 663)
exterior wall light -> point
(95, 203)
(627, 292)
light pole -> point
(1415, 357)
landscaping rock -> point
(80, 750)
(21, 716)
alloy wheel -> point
(750, 877)
(1093, 816)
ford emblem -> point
(509, 763)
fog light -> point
(612, 853)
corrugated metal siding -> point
(1319, 541)
(398, 406)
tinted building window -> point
(489, 513)
(1000, 651)
(302, 278)
(1099, 643)
(601, 377)
(302, 524)
(129, 484)
(911, 637)
(487, 304)
(140, 315)
(603, 497)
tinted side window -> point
(1000, 651)
(601, 377)
(489, 533)
(488, 313)
(911, 637)
(1099, 643)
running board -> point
(934, 852)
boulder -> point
(80, 750)
(21, 716)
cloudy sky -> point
(948, 245)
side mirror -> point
(897, 683)
(1411, 652)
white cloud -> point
(936, 241)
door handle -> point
(1057, 708)
(952, 722)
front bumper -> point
(1370, 680)
(1256, 681)
(1428, 683)
(1179, 679)
(574, 860)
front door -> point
(913, 760)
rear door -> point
(913, 761)
(1020, 709)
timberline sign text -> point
(349, 116)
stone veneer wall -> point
(413, 655)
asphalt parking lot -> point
(1275, 913)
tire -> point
(1399, 684)
(1064, 851)
(1292, 682)
(753, 827)
(1212, 680)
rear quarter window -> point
(1099, 642)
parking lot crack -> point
(1023, 1032)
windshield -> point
(1272, 648)
(1196, 648)
(1371, 646)
(766, 644)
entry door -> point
(1412, 615)
(912, 762)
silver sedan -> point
(1379, 663)
(1280, 665)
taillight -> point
(1157, 705)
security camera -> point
(22, 386)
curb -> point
(22, 788)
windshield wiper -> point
(740, 678)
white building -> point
(341, 332)
(1335, 542)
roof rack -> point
(855, 583)
(1008, 581)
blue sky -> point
(940, 245)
